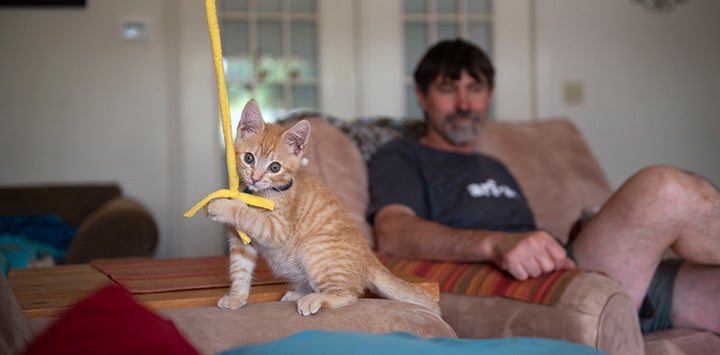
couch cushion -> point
(554, 166)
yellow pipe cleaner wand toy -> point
(233, 190)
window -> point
(428, 21)
(270, 51)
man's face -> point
(456, 109)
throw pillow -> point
(110, 322)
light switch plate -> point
(573, 93)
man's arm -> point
(402, 234)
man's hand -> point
(530, 254)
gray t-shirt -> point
(470, 191)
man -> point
(423, 206)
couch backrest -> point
(554, 166)
(550, 159)
(71, 202)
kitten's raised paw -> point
(232, 302)
(291, 296)
(220, 210)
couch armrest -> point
(480, 301)
(591, 310)
(122, 227)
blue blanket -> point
(346, 343)
(43, 228)
(27, 238)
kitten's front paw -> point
(310, 304)
(220, 210)
(232, 302)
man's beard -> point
(463, 127)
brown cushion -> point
(554, 166)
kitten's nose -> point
(254, 180)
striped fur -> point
(309, 238)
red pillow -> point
(110, 322)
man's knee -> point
(668, 183)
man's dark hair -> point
(449, 58)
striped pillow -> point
(485, 280)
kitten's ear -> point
(297, 137)
(251, 121)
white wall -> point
(514, 55)
(379, 51)
(650, 81)
(78, 105)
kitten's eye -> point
(275, 167)
(249, 158)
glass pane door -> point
(270, 53)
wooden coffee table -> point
(45, 292)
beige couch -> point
(560, 177)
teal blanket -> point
(24, 239)
(347, 343)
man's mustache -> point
(458, 115)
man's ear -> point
(251, 121)
(297, 137)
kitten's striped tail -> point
(389, 286)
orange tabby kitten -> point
(308, 239)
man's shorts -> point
(656, 310)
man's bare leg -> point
(695, 297)
(657, 208)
